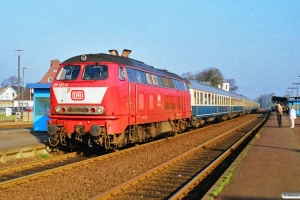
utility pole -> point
(18, 50)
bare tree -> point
(188, 75)
(212, 75)
(12, 81)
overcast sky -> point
(257, 43)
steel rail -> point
(196, 180)
(114, 192)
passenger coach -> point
(210, 103)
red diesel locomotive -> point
(112, 101)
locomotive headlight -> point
(100, 110)
(57, 109)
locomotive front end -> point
(79, 109)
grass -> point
(43, 156)
(3, 117)
(225, 182)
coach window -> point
(216, 100)
(195, 95)
(212, 99)
(209, 99)
(201, 98)
(121, 74)
(205, 98)
(198, 98)
(149, 79)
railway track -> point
(29, 172)
(18, 174)
(177, 177)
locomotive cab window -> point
(68, 73)
(121, 74)
(95, 72)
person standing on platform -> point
(292, 116)
(287, 109)
(279, 114)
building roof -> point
(26, 96)
(5, 88)
(48, 77)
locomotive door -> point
(132, 96)
(183, 104)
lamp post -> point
(297, 97)
(18, 50)
(24, 86)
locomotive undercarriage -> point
(97, 136)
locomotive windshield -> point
(68, 73)
(95, 72)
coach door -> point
(132, 92)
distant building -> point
(7, 94)
(48, 77)
(224, 86)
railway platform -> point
(18, 140)
(268, 168)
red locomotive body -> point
(112, 100)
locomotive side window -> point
(155, 80)
(171, 83)
(95, 72)
(121, 74)
(131, 74)
(159, 80)
(165, 81)
(68, 73)
(138, 76)
(143, 75)
(149, 79)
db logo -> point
(77, 95)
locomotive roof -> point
(209, 88)
(101, 57)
